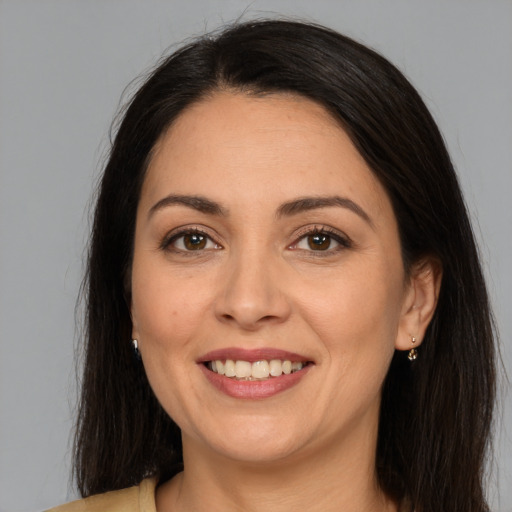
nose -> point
(251, 295)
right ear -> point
(419, 303)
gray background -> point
(63, 66)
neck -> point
(320, 480)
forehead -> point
(284, 144)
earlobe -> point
(420, 303)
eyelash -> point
(342, 240)
(170, 239)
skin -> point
(258, 283)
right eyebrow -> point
(199, 203)
(304, 204)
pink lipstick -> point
(282, 370)
(241, 354)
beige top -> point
(140, 498)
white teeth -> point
(259, 370)
(229, 368)
(243, 369)
(276, 368)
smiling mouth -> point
(255, 371)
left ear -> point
(420, 301)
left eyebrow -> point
(199, 203)
(304, 204)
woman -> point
(285, 303)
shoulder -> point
(140, 498)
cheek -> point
(166, 307)
(357, 312)
(357, 323)
(168, 313)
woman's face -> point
(264, 241)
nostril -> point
(251, 306)
(249, 322)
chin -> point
(258, 454)
(257, 443)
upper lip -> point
(251, 355)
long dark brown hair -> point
(436, 413)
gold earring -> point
(413, 353)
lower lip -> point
(254, 389)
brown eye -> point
(319, 242)
(322, 241)
(194, 241)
